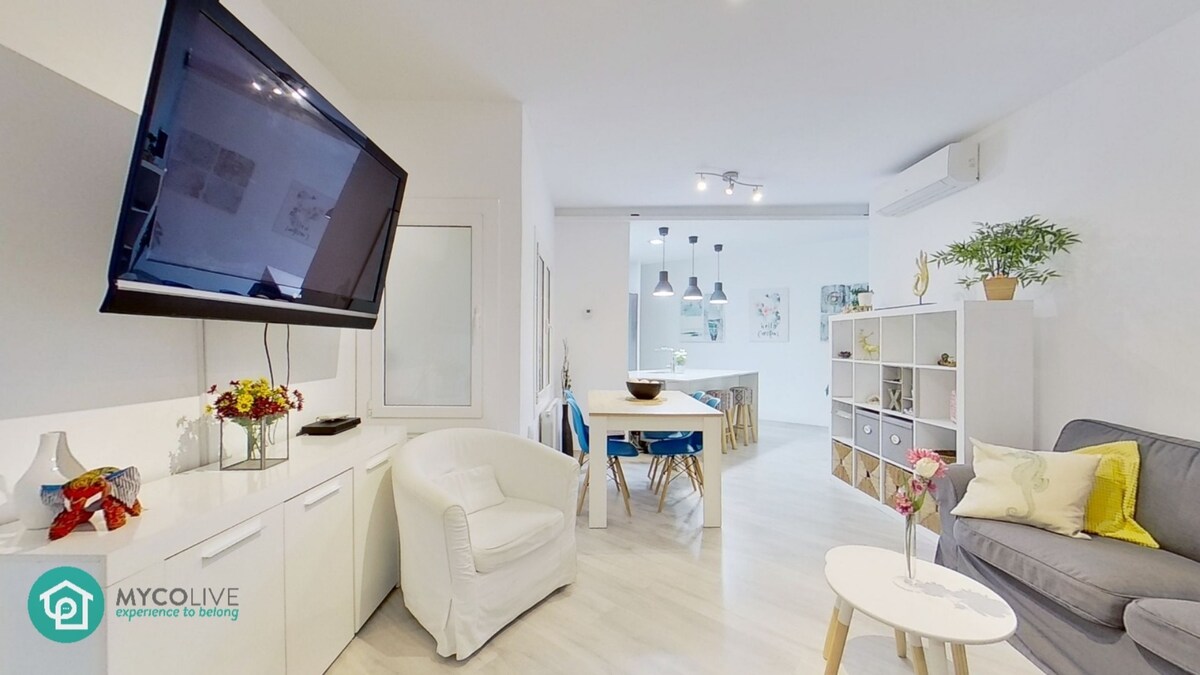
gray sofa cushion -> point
(1094, 578)
(1169, 628)
(1170, 472)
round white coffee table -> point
(940, 606)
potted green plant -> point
(1001, 255)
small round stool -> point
(743, 414)
(726, 407)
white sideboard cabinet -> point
(309, 548)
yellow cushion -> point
(1114, 498)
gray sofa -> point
(1097, 606)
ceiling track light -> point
(693, 291)
(718, 294)
(731, 180)
(663, 289)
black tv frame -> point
(126, 297)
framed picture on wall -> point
(701, 322)
(769, 315)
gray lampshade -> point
(718, 294)
(663, 288)
(693, 291)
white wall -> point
(793, 375)
(592, 261)
(537, 234)
(1114, 156)
(126, 389)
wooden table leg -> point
(959, 653)
(901, 644)
(712, 471)
(829, 632)
(935, 657)
(598, 473)
(844, 614)
(916, 653)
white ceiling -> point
(740, 238)
(818, 99)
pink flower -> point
(926, 463)
(903, 505)
(916, 486)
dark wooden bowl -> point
(645, 391)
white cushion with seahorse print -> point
(1048, 490)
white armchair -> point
(487, 529)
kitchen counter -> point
(701, 379)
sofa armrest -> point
(951, 488)
(948, 491)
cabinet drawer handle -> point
(232, 539)
(323, 494)
(895, 439)
(376, 461)
(867, 429)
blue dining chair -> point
(676, 456)
(617, 448)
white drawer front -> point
(319, 534)
(249, 557)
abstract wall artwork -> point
(835, 298)
(201, 169)
(769, 315)
(304, 214)
(701, 322)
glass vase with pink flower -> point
(910, 497)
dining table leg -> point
(711, 427)
(598, 473)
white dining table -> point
(616, 411)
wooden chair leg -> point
(666, 483)
(959, 654)
(901, 644)
(750, 422)
(653, 469)
(699, 473)
(623, 486)
(582, 494)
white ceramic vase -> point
(52, 465)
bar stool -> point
(726, 407)
(743, 413)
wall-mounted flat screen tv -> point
(249, 197)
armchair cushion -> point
(1169, 628)
(475, 488)
(510, 530)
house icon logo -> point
(66, 604)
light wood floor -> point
(658, 594)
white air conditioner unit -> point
(943, 173)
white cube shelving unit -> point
(987, 395)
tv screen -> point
(249, 196)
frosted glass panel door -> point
(426, 350)
(428, 318)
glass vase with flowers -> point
(250, 412)
(910, 497)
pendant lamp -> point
(718, 294)
(693, 291)
(663, 289)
